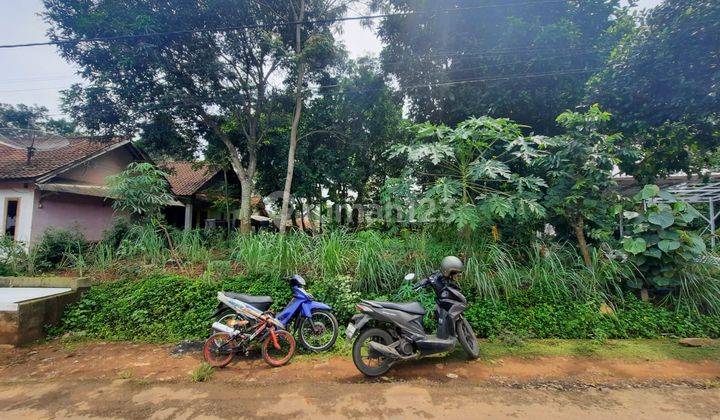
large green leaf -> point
(634, 245)
(498, 206)
(668, 245)
(649, 191)
(653, 252)
(465, 216)
(663, 218)
(445, 190)
(630, 214)
(667, 196)
(696, 244)
(489, 168)
(690, 214)
(670, 234)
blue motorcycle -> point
(312, 322)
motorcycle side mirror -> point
(410, 277)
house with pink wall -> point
(66, 188)
(61, 188)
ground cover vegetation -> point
(475, 128)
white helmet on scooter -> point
(451, 266)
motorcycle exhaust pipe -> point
(222, 328)
(386, 351)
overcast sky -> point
(35, 75)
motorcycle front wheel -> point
(319, 331)
(468, 339)
(366, 359)
(279, 351)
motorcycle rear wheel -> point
(467, 338)
(218, 350)
(365, 360)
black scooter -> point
(397, 332)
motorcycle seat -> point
(409, 307)
(260, 302)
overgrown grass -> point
(202, 373)
(375, 263)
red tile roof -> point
(186, 177)
(14, 165)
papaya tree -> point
(473, 172)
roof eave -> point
(49, 175)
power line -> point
(474, 80)
(194, 102)
(438, 72)
(272, 25)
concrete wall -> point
(26, 194)
(90, 215)
(27, 324)
(96, 171)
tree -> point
(525, 62)
(174, 62)
(579, 172)
(33, 117)
(306, 51)
(141, 190)
(346, 129)
(661, 83)
(164, 138)
(472, 173)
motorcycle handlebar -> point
(419, 285)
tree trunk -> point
(302, 215)
(245, 206)
(245, 175)
(295, 121)
(579, 227)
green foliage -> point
(202, 373)
(489, 50)
(346, 130)
(660, 241)
(218, 270)
(142, 190)
(473, 173)
(54, 246)
(495, 274)
(33, 117)
(679, 37)
(536, 315)
(579, 170)
(338, 293)
(172, 308)
(165, 308)
(13, 258)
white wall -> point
(23, 224)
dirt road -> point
(115, 380)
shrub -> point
(53, 247)
(172, 308)
(660, 242)
(338, 293)
(534, 315)
(13, 258)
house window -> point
(11, 217)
